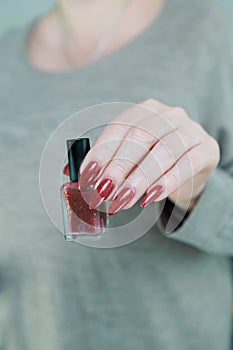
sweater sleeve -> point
(209, 226)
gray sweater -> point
(163, 292)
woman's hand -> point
(157, 150)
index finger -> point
(112, 136)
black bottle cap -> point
(77, 150)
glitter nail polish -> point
(80, 220)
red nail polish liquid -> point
(79, 219)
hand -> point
(157, 150)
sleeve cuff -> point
(209, 226)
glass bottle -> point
(79, 219)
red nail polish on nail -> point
(89, 175)
(66, 170)
(101, 192)
(105, 188)
(123, 198)
(152, 194)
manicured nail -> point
(89, 174)
(102, 192)
(123, 198)
(66, 170)
(105, 188)
(152, 194)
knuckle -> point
(214, 150)
(214, 144)
(149, 101)
(179, 110)
(197, 128)
(150, 104)
(179, 113)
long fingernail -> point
(105, 187)
(152, 194)
(89, 174)
(102, 192)
(123, 198)
(66, 170)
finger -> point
(187, 168)
(123, 123)
(140, 139)
(160, 159)
(109, 141)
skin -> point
(64, 38)
(156, 149)
(172, 152)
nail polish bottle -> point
(79, 219)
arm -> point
(209, 226)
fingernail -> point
(66, 170)
(102, 192)
(89, 174)
(152, 194)
(123, 198)
(105, 188)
